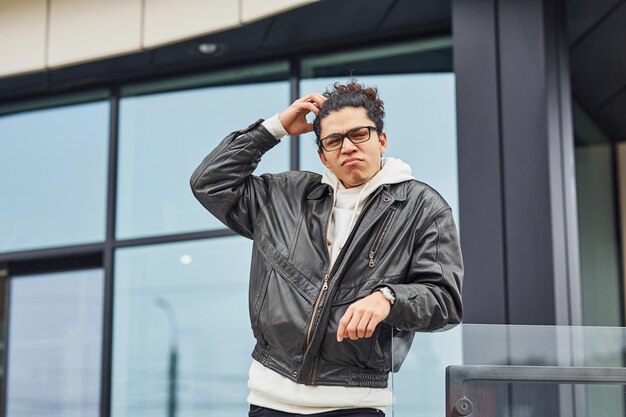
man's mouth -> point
(351, 161)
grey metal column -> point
(518, 216)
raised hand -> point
(293, 118)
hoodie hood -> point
(393, 171)
(349, 202)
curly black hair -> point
(351, 94)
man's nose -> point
(347, 146)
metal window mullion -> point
(108, 258)
(5, 354)
(294, 92)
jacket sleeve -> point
(431, 299)
(223, 183)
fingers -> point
(293, 118)
(361, 326)
(371, 326)
(352, 327)
(355, 324)
(361, 318)
(343, 323)
(316, 98)
(310, 107)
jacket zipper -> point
(378, 240)
(315, 306)
(327, 278)
(325, 284)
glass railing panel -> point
(420, 386)
(485, 391)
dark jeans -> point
(256, 411)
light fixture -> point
(207, 48)
(185, 259)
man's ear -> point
(382, 141)
(320, 153)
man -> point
(345, 266)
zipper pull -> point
(371, 262)
(325, 286)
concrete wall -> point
(36, 35)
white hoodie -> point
(272, 390)
(349, 202)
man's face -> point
(353, 164)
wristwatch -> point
(388, 293)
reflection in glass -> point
(416, 83)
(496, 399)
(182, 337)
(590, 346)
(601, 286)
(420, 383)
(164, 137)
(55, 341)
(420, 121)
(53, 172)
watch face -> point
(388, 294)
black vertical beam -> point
(6, 281)
(481, 217)
(108, 259)
(536, 177)
(294, 93)
(526, 162)
(517, 205)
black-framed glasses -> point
(356, 135)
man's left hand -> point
(362, 317)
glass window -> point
(53, 174)
(165, 136)
(419, 385)
(181, 329)
(55, 343)
(599, 245)
(416, 83)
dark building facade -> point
(513, 110)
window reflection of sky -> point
(53, 176)
(206, 290)
(55, 341)
(164, 137)
(420, 121)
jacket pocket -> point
(258, 294)
(380, 355)
(283, 318)
(356, 291)
(347, 352)
(375, 250)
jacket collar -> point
(395, 191)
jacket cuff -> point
(396, 314)
(260, 136)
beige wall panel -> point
(84, 30)
(22, 36)
(258, 9)
(168, 21)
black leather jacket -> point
(405, 239)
